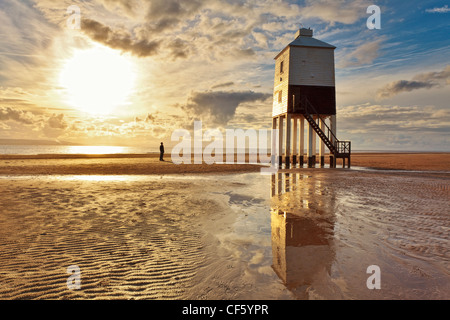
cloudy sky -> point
(137, 70)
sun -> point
(98, 80)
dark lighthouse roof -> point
(303, 38)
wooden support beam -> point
(294, 141)
(288, 141)
(280, 141)
(302, 141)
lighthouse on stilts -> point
(305, 96)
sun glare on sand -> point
(97, 80)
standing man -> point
(161, 152)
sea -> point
(46, 149)
(63, 149)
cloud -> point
(119, 39)
(399, 86)
(443, 9)
(25, 46)
(168, 14)
(219, 107)
(212, 30)
(57, 121)
(424, 80)
(177, 29)
(389, 127)
(223, 85)
(24, 117)
(342, 11)
(179, 49)
(38, 125)
(363, 55)
(261, 39)
(19, 123)
(433, 76)
(128, 6)
(55, 126)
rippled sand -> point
(308, 235)
(130, 239)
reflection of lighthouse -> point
(302, 238)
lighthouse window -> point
(281, 66)
(280, 96)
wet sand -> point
(132, 238)
(327, 229)
(302, 234)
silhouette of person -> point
(161, 152)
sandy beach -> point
(403, 161)
(139, 228)
(109, 165)
(142, 164)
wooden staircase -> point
(339, 149)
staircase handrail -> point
(309, 105)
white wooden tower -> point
(304, 89)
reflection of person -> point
(161, 152)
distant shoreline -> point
(156, 154)
(78, 156)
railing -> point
(343, 147)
